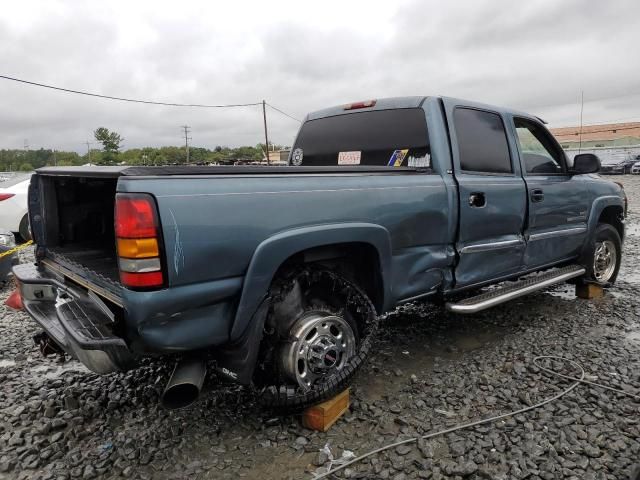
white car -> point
(13, 205)
(635, 168)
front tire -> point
(318, 334)
(603, 262)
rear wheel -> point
(23, 229)
(603, 263)
(317, 336)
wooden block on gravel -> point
(320, 417)
(589, 291)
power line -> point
(148, 102)
(284, 113)
(131, 100)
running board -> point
(515, 290)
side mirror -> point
(586, 163)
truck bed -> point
(96, 261)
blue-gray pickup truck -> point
(277, 276)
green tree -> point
(26, 167)
(110, 144)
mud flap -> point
(238, 361)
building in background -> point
(613, 142)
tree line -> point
(110, 154)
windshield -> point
(395, 138)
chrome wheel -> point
(605, 259)
(322, 345)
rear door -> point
(559, 202)
(491, 192)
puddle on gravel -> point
(634, 336)
(6, 363)
(565, 292)
(632, 229)
(568, 292)
(395, 362)
(629, 276)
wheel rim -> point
(604, 260)
(323, 345)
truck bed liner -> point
(90, 262)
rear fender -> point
(275, 250)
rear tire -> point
(317, 335)
(23, 229)
(604, 257)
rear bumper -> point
(76, 320)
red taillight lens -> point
(4, 196)
(135, 216)
(137, 231)
(356, 105)
(141, 280)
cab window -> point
(482, 141)
(539, 152)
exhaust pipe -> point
(185, 383)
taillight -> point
(4, 196)
(138, 241)
(356, 105)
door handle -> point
(537, 195)
(477, 200)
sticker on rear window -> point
(349, 158)
(297, 156)
(397, 157)
(419, 162)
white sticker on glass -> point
(419, 162)
(349, 158)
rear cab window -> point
(394, 138)
(482, 141)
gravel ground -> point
(431, 370)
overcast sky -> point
(301, 56)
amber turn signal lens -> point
(138, 247)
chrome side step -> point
(515, 290)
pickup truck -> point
(277, 276)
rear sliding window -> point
(394, 138)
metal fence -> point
(608, 155)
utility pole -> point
(26, 144)
(186, 139)
(55, 160)
(266, 137)
(89, 150)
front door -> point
(491, 194)
(559, 202)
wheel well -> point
(613, 216)
(356, 261)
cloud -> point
(535, 56)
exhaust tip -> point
(185, 383)
(180, 396)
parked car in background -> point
(627, 165)
(13, 205)
(635, 169)
(612, 169)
